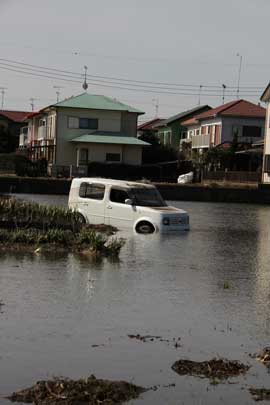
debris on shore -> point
(218, 369)
(91, 391)
(260, 394)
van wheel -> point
(145, 227)
(81, 219)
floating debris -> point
(260, 394)
(214, 369)
(92, 391)
(264, 356)
(152, 338)
(145, 338)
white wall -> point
(97, 152)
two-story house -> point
(83, 129)
(172, 131)
(11, 123)
(240, 121)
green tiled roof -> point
(116, 139)
(96, 102)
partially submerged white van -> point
(125, 204)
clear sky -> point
(179, 42)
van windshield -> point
(147, 197)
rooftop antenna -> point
(239, 74)
(32, 103)
(3, 97)
(156, 105)
(200, 91)
(223, 93)
(58, 88)
(85, 85)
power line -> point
(146, 89)
(79, 75)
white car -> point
(125, 204)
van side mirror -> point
(129, 201)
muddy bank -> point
(90, 391)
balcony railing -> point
(201, 141)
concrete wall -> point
(173, 192)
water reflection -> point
(58, 305)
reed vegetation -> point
(30, 224)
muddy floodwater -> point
(207, 289)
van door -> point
(91, 201)
(117, 213)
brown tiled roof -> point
(16, 116)
(238, 108)
(149, 124)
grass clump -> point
(86, 240)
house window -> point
(88, 123)
(82, 123)
(197, 132)
(118, 196)
(73, 122)
(42, 123)
(94, 191)
(252, 131)
(113, 157)
(83, 157)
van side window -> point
(94, 191)
(119, 196)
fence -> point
(7, 167)
(68, 171)
(234, 177)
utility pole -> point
(200, 91)
(85, 85)
(239, 74)
(58, 88)
(3, 97)
(223, 93)
(32, 101)
(156, 105)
